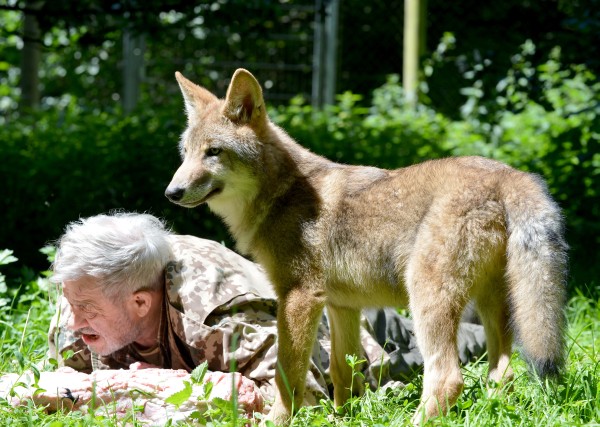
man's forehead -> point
(84, 288)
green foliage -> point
(199, 372)
(24, 318)
(9, 56)
(6, 257)
(181, 396)
(197, 378)
(82, 46)
(554, 131)
(387, 134)
(70, 162)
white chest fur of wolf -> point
(431, 236)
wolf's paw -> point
(418, 417)
(278, 415)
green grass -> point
(574, 400)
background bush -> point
(69, 162)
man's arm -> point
(242, 338)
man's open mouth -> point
(90, 338)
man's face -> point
(104, 325)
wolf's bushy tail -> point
(536, 272)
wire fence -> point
(311, 48)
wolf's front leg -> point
(298, 315)
(345, 340)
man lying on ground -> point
(136, 292)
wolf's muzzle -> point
(174, 194)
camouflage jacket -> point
(220, 308)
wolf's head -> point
(220, 148)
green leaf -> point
(142, 392)
(208, 390)
(36, 374)
(199, 372)
(19, 356)
(39, 390)
(466, 404)
(6, 257)
(49, 251)
(181, 396)
(67, 354)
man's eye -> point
(213, 151)
(91, 314)
(87, 311)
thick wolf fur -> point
(431, 236)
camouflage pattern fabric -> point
(220, 308)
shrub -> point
(553, 131)
(61, 165)
(69, 162)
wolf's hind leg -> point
(494, 314)
(298, 315)
(345, 339)
(436, 312)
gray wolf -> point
(432, 236)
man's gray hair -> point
(125, 252)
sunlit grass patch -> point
(572, 400)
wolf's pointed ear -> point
(194, 96)
(244, 102)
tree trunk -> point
(414, 45)
(30, 59)
(325, 52)
(134, 46)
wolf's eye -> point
(213, 151)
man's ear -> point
(142, 302)
(194, 96)
(244, 102)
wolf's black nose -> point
(175, 194)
